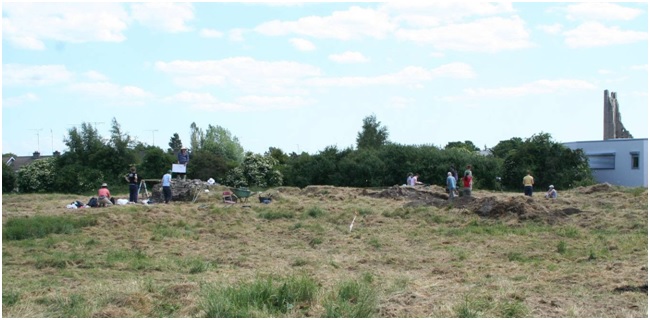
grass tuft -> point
(260, 298)
(352, 299)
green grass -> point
(315, 212)
(264, 297)
(275, 214)
(561, 247)
(10, 298)
(352, 299)
(21, 228)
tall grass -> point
(41, 226)
(260, 298)
(352, 299)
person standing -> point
(454, 172)
(529, 181)
(451, 186)
(467, 185)
(167, 186)
(132, 179)
(184, 159)
(104, 196)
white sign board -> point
(178, 168)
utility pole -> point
(153, 137)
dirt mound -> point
(182, 190)
(601, 187)
(420, 194)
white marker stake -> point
(352, 224)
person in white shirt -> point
(167, 186)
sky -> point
(302, 76)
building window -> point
(603, 161)
(635, 160)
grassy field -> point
(297, 257)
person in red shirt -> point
(467, 184)
(104, 196)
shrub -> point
(37, 176)
(40, 226)
(8, 178)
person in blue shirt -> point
(451, 185)
(167, 186)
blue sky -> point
(302, 76)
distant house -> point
(622, 162)
(18, 162)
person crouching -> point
(104, 196)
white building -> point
(622, 162)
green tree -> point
(468, 145)
(504, 147)
(206, 165)
(8, 178)
(155, 163)
(372, 134)
(549, 162)
(175, 144)
(120, 153)
(219, 141)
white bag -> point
(122, 201)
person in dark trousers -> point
(167, 186)
(132, 179)
(184, 159)
(528, 182)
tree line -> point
(375, 162)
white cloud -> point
(95, 76)
(594, 34)
(245, 73)
(28, 25)
(273, 102)
(483, 35)
(551, 28)
(601, 11)
(400, 102)
(642, 67)
(208, 102)
(353, 23)
(19, 100)
(348, 57)
(409, 76)
(454, 70)
(107, 90)
(211, 33)
(435, 13)
(437, 54)
(302, 44)
(166, 16)
(26, 75)
(604, 71)
(532, 88)
(236, 35)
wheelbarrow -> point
(241, 193)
